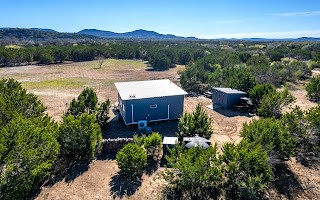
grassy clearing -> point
(258, 46)
(13, 46)
(59, 84)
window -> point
(153, 106)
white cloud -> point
(300, 14)
(283, 34)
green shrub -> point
(245, 169)
(102, 113)
(80, 137)
(194, 123)
(271, 104)
(313, 88)
(152, 144)
(85, 103)
(270, 134)
(313, 117)
(28, 149)
(257, 92)
(14, 99)
(198, 172)
(131, 159)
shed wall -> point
(226, 100)
(233, 99)
(143, 111)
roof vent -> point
(132, 96)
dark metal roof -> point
(229, 90)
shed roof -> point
(229, 90)
(148, 89)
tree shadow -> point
(232, 113)
(285, 181)
(76, 170)
(121, 185)
(66, 170)
(153, 165)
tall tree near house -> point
(102, 113)
(85, 103)
(196, 123)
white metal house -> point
(152, 100)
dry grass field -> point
(57, 84)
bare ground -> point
(100, 180)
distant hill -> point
(137, 34)
(13, 35)
(44, 29)
(301, 39)
(45, 35)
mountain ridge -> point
(136, 34)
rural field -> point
(57, 84)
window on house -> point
(153, 106)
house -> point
(152, 100)
(226, 97)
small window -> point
(153, 106)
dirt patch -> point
(226, 124)
(299, 92)
(100, 182)
(48, 81)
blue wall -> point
(142, 110)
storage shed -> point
(226, 97)
(152, 100)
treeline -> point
(31, 143)
(165, 54)
(242, 66)
(160, 55)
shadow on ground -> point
(153, 166)
(232, 113)
(285, 181)
(117, 129)
(68, 174)
(121, 185)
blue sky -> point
(200, 18)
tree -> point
(152, 144)
(271, 135)
(245, 169)
(80, 137)
(313, 89)
(46, 58)
(258, 61)
(102, 113)
(271, 104)
(85, 103)
(196, 123)
(100, 63)
(197, 172)
(259, 91)
(15, 99)
(160, 62)
(28, 149)
(131, 159)
(239, 78)
(313, 117)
